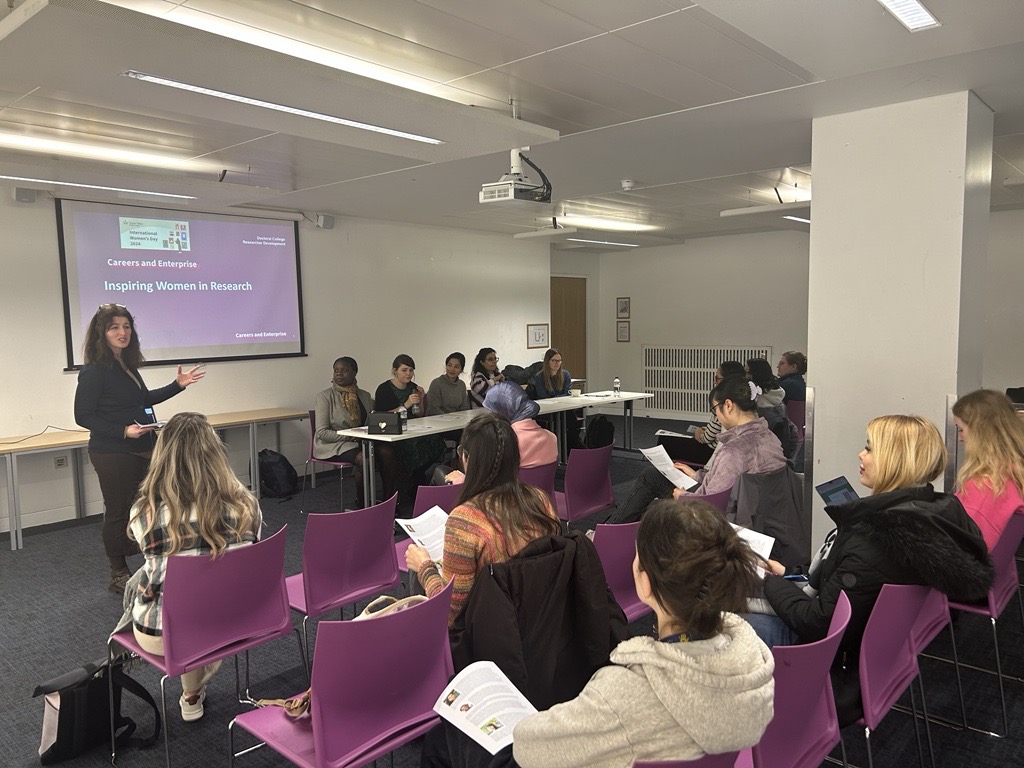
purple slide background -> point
(180, 319)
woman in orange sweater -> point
(497, 514)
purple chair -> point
(215, 608)
(588, 484)
(719, 501)
(373, 689)
(346, 556)
(1004, 586)
(888, 661)
(724, 760)
(543, 477)
(427, 497)
(312, 459)
(933, 618)
(616, 546)
(805, 728)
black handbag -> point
(385, 423)
(76, 714)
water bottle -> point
(415, 410)
(403, 418)
(616, 386)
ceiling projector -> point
(515, 186)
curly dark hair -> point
(96, 350)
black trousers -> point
(120, 475)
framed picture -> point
(622, 330)
(622, 308)
(537, 336)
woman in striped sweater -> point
(497, 515)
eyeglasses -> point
(101, 307)
(715, 407)
(556, 359)
(490, 359)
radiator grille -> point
(681, 377)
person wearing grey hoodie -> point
(704, 686)
(770, 407)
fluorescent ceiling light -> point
(601, 242)
(911, 14)
(797, 218)
(612, 225)
(277, 107)
(97, 186)
(97, 152)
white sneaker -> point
(191, 712)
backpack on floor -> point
(277, 475)
(76, 713)
(600, 432)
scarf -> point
(350, 400)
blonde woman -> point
(190, 502)
(991, 480)
(905, 532)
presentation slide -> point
(201, 286)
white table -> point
(77, 441)
(449, 422)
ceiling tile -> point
(542, 25)
(609, 16)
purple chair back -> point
(1003, 556)
(719, 501)
(725, 760)
(616, 546)
(932, 619)
(588, 483)
(231, 601)
(888, 663)
(805, 727)
(797, 413)
(347, 556)
(375, 680)
(443, 496)
(543, 477)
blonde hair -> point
(994, 441)
(190, 470)
(907, 450)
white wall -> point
(1004, 319)
(733, 290)
(371, 290)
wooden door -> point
(569, 323)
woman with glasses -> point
(485, 376)
(745, 446)
(497, 514)
(552, 380)
(111, 402)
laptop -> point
(836, 491)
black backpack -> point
(278, 477)
(600, 432)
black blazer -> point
(107, 401)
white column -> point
(897, 260)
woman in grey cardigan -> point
(344, 406)
(703, 686)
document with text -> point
(761, 544)
(427, 531)
(482, 703)
(659, 457)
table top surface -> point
(55, 440)
(449, 422)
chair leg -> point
(110, 694)
(917, 730)
(302, 496)
(867, 743)
(927, 726)
(163, 712)
(959, 681)
(231, 744)
(999, 674)
(842, 750)
(304, 642)
(304, 653)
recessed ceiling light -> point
(601, 242)
(98, 152)
(277, 107)
(97, 186)
(612, 225)
(911, 14)
(797, 218)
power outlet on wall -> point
(59, 462)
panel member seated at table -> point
(447, 393)
(110, 402)
(792, 368)
(552, 380)
(537, 446)
(485, 376)
(344, 406)
(413, 456)
(745, 446)
(497, 514)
